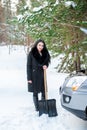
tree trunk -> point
(78, 62)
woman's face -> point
(40, 46)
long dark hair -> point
(36, 43)
(45, 52)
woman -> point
(38, 60)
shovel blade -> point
(47, 107)
(43, 108)
(52, 111)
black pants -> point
(42, 95)
(35, 100)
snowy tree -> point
(58, 23)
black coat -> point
(35, 71)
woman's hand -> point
(44, 67)
(29, 81)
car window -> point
(84, 84)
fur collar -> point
(40, 59)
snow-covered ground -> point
(16, 106)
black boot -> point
(42, 96)
(35, 99)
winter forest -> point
(63, 26)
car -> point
(73, 94)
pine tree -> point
(60, 27)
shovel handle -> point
(45, 84)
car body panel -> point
(75, 101)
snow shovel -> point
(47, 106)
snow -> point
(16, 106)
(12, 2)
(70, 3)
(84, 30)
